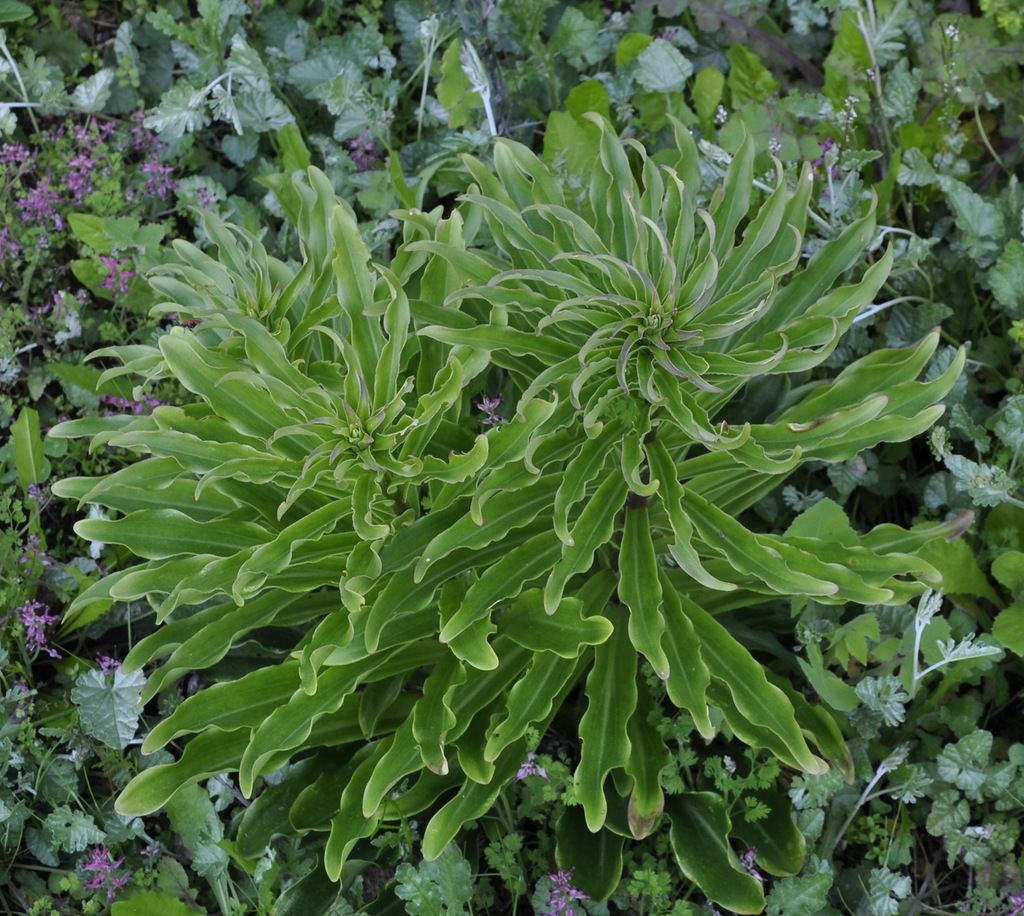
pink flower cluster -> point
(117, 281)
(363, 152)
(42, 199)
(143, 406)
(563, 894)
(489, 407)
(33, 619)
(103, 866)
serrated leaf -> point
(92, 94)
(73, 831)
(108, 705)
(577, 37)
(986, 484)
(259, 110)
(966, 763)
(899, 95)
(198, 826)
(1008, 570)
(661, 67)
(89, 228)
(182, 110)
(915, 169)
(748, 80)
(440, 888)
(806, 895)
(1006, 278)
(979, 219)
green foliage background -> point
(474, 458)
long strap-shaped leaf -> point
(754, 699)
(531, 700)
(503, 513)
(671, 497)
(504, 580)
(700, 841)
(611, 698)
(593, 528)
(640, 587)
(470, 802)
(433, 717)
(350, 825)
(647, 758)
(688, 675)
(209, 754)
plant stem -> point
(21, 85)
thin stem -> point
(864, 798)
(919, 626)
(21, 85)
(985, 140)
(876, 72)
(821, 221)
(428, 37)
(882, 306)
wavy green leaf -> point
(699, 836)
(611, 699)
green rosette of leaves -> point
(425, 592)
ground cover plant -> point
(493, 571)
(908, 116)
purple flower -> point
(32, 552)
(159, 183)
(490, 408)
(37, 313)
(1017, 902)
(363, 151)
(37, 206)
(14, 154)
(34, 623)
(108, 665)
(117, 282)
(563, 894)
(827, 144)
(102, 864)
(143, 139)
(91, 133)
(206, 196)
(10, 250)
(531, 768)
(143, 406)
(747, 860)
(79, 178)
